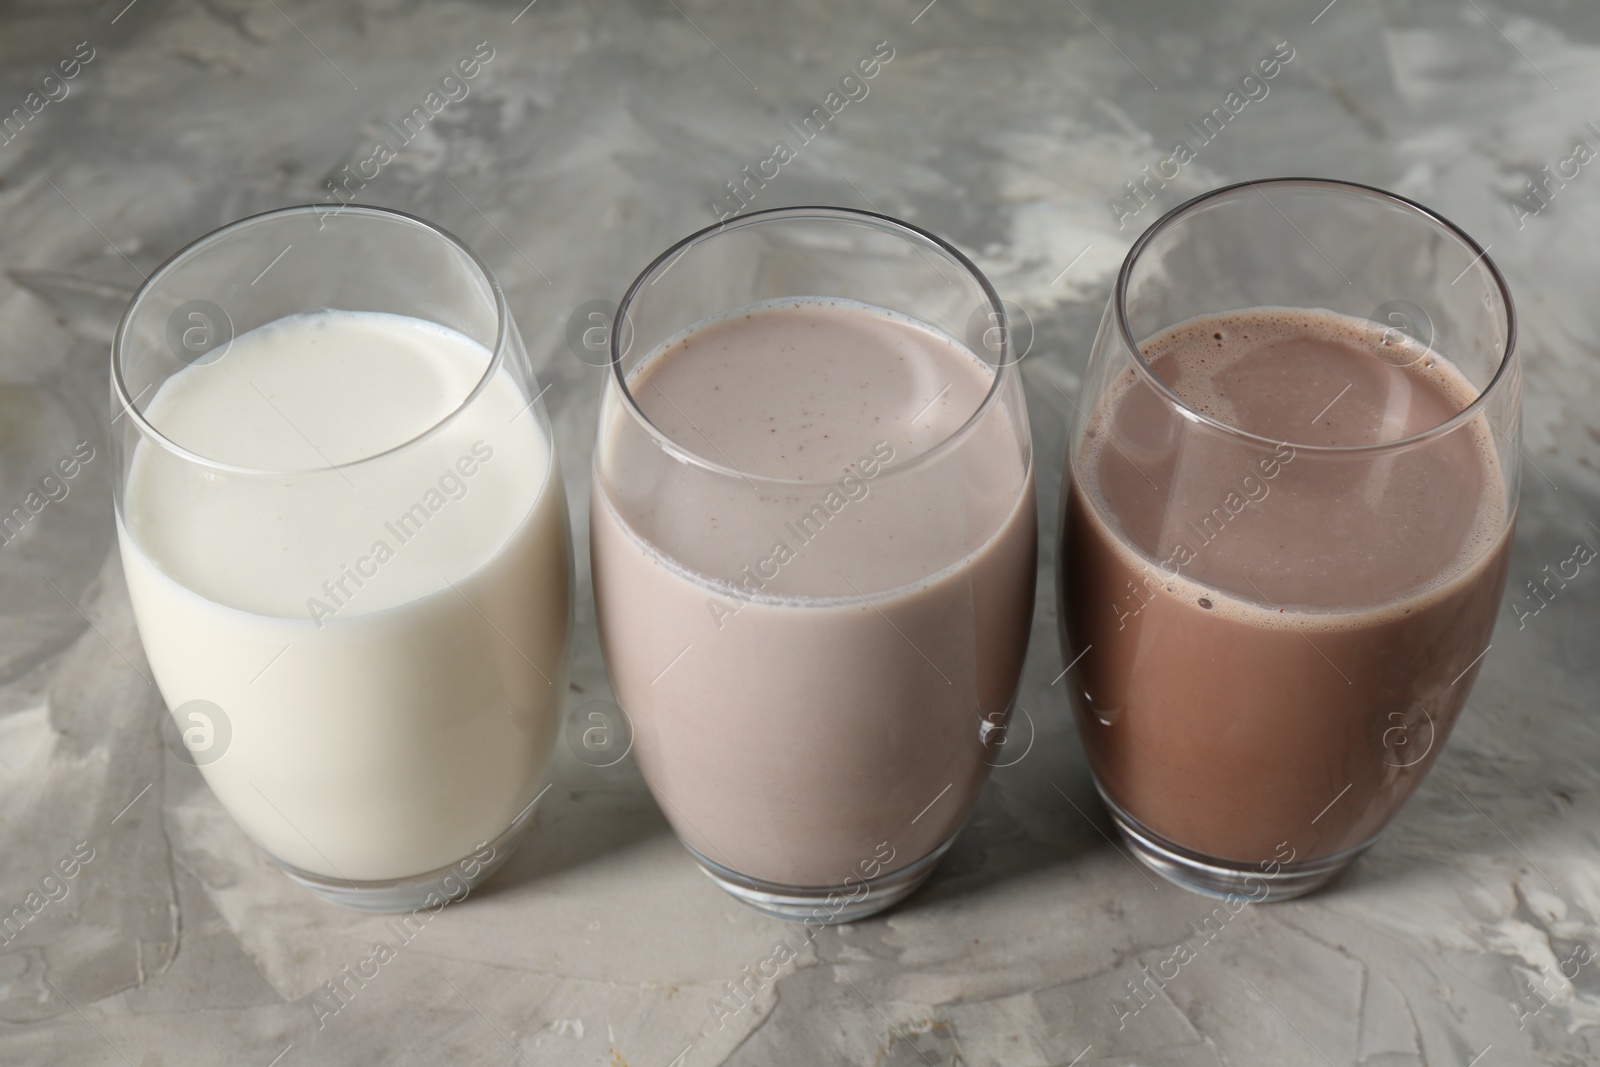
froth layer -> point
(797, 388)
(1197, 359)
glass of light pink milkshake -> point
(1286, 525)
(814, 539)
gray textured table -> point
(596, 135)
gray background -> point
(593, 139)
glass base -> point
(450, 884)
(1222, 878)
(825, 905)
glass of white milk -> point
(345, 536)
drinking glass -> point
(1273, 621)
(816, 726)
(349, 558)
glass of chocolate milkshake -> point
(1286, 520)
(813, 537)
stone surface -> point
(595, 137)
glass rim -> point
(119, 386)
(1495, 385)
(913, 234)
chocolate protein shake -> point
(1276, 635)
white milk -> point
(388, 640)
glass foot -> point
(431, 889)
(1222, 878)
(825, 905)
